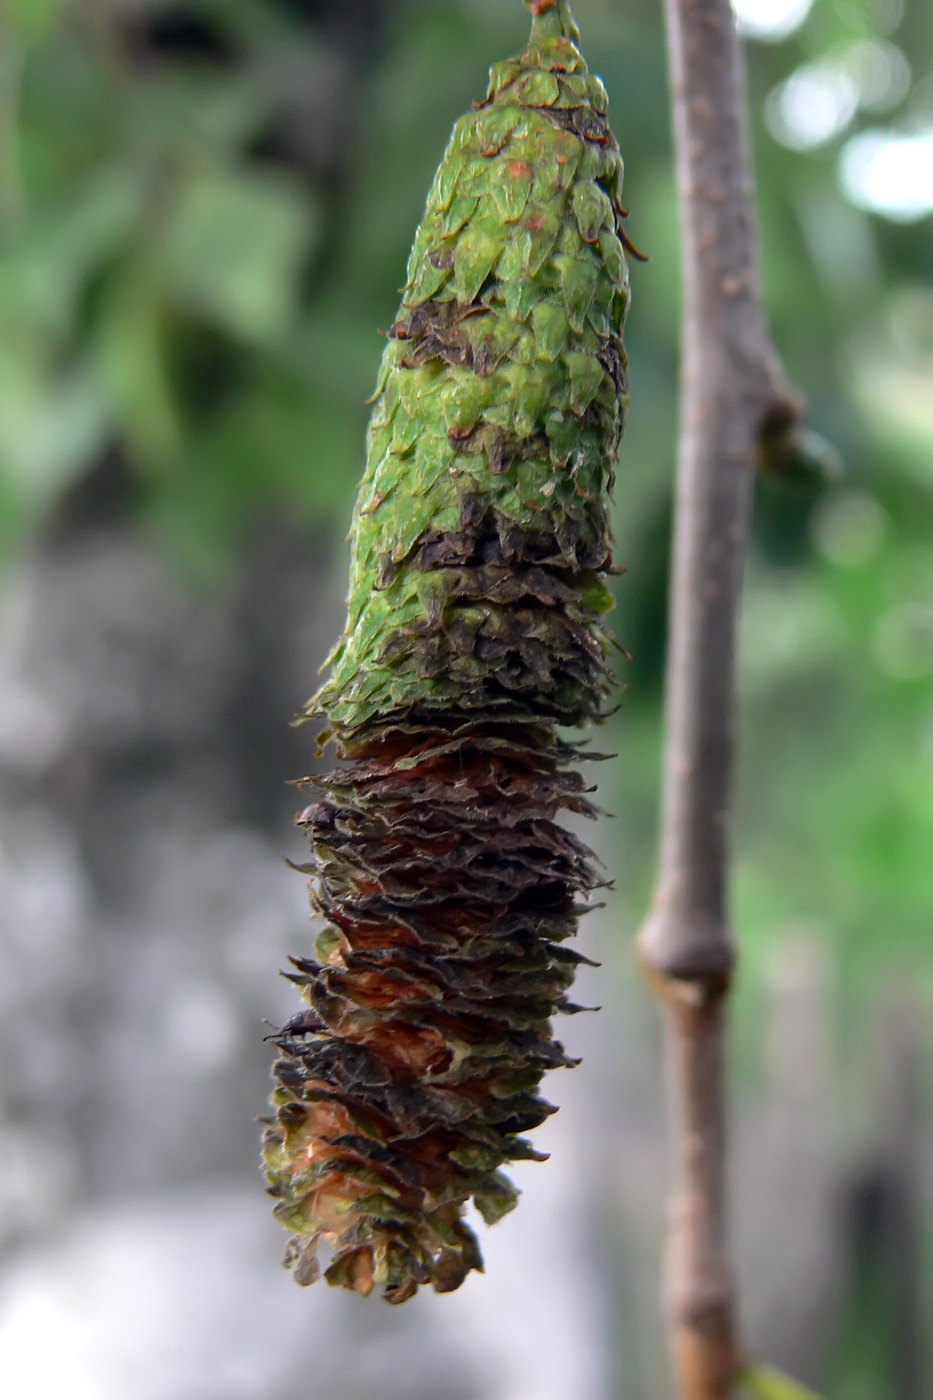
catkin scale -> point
(480, 546)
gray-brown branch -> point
(734, 397)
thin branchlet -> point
(737, 412)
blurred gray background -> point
(205, 209)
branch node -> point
(787, 450)
(689, 963)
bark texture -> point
(734, 399)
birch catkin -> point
(480, 548)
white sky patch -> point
(770, 20)
(201, 1027)
(881, 71)
(890, 173)
(816, 103)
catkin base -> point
(449, 890)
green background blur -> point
(193, 271)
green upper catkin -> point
(480, 543)
(519, 276)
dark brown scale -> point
(449, 886)
(446, 885)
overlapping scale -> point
(481, 543)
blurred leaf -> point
(44, 272)
(283, 447)
(767, 1383)
(51, 423)
(130, 358)
(233, 251)
(33, 18)
(197, 110)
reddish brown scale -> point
(480, 551)
(447, 886)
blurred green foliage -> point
(205, 213)
(178, 288)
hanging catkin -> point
(480, 545)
